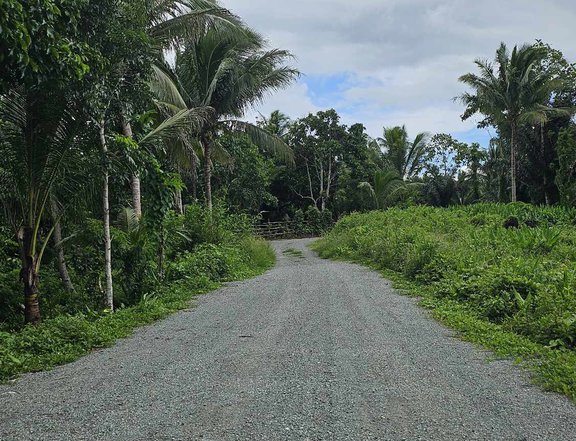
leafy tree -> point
(566, 177)
(473, 157)
(318, 143)
(496, 171)
(245, 181)
(539, 163)
(453, 171)
(446, 156)
(126, 53)
(40, 42)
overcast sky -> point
(394, 62)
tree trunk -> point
(161, 255)
(135, 184)
(29, 277)
(194, 178)
(136, 196)
(502, 187)
(208, 172)
(62, 267)
(322, 192)
(513, 163)
(107, 236)
(179, 204)
(547, 198)
(328, 182)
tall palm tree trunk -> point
(61, 259)
(135, 183)
(178, 199)
(107, 235)
(29, 276)
(136, 195)
(207, 171)
(547, 198)
(513, 162)
(194, 178)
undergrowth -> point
(502, 275)
(66, 337)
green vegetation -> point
(102, 137)
(215, 256)
(129, 180)
(108, 154)
(526, 96)
(503, 275)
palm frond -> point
(165, 86)
(220, 154)
(261, 138)
(186, 119)
(187, 20)
(128, 221)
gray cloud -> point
(406, 55)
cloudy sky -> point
(394, 62)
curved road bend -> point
(312, 350)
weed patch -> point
(512, 290)
(292, 252)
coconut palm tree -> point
(386, 185)
(170, 23)
(277, 123)
(37, 129)
(227, 72)
(511, 92)
(406, 157)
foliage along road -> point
(312, 350)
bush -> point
(521, 277)
(217, 227)
(10, 287)
(67, 337)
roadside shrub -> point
(220, 226)
(10, 287)
(66, 337)
(521, 277)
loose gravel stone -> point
(312, 350)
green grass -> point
(68, 337)
(292, 252)
(512, 290)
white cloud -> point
(293, 101)
(404, 56)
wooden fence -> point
(280, 230)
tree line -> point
(526, 97)
(108, 110)
(122, 121)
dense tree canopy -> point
(121, 120)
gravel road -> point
(312, 350)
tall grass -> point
(512, 267)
